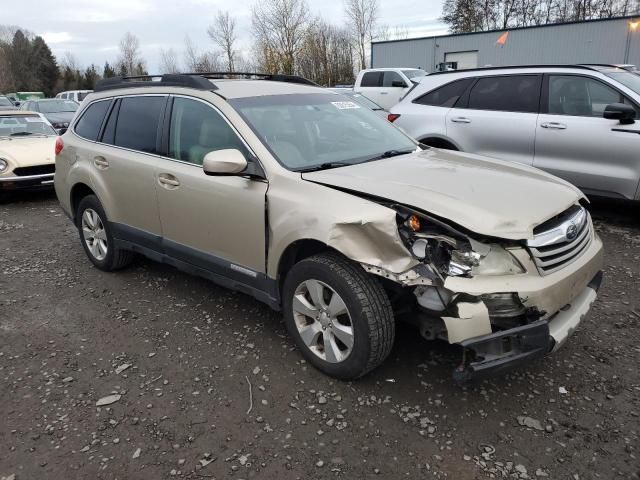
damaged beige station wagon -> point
(316, 206)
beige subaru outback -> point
(316, 206)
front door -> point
(213, 222)
(575, 142)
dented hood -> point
(487, 196)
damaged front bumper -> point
(499, 351)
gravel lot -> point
(177, 356)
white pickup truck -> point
(386, 86)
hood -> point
(59, 117)
(26, 152)
(487, 196)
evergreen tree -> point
(20, 61)
(45, 69)
(90, 78)
(108, 71)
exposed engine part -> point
(503, 305)
(435, 299)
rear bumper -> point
(26, 182)
(494, 353)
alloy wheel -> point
(94, 234)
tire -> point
(368, 314)
(106, 256)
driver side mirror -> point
(398, 83)
(224, 162)
(620, 111)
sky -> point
(91, 30)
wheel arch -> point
(78, 192)
(437, 141)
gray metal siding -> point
(589, 42)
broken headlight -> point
(452, 252)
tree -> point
(90, 77)
(326, 56)
(45, 68)
(20, 61)
(108, 71)
(223, 33)
(199, 62)
(362, 16)
(130, 61)
(280, 27)
(169, 61)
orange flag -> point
(502, 39)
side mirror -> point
(17, 104)
(224, 162)
(620, 111)
(62, 131)
(398, 83)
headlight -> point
(496, 261)
(3, 165)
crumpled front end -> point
(504, 302)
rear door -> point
(124, 162)
(497, 117)
(575, 142)
(214, 222)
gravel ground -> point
(182, 360)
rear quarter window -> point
(91, 120)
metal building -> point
(615, 41)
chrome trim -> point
(27, 177)
(553, 249)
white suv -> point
(576, 122)
(386, 86)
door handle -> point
(461, 120)
(101, 163)
(384, 93)
(554, 126)
(168, 181)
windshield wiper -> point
(388, 154)
(324, 166)
(20, 134)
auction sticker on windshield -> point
(345, 105)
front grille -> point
(561, 240)
(35, 170)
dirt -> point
(215, 389)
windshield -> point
(24, 125)
(56, 106)
(628, 79)
(414, 73)
(306, 131)
(5, 102)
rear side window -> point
(447, 95)
(89, 124)
(137, 124)
(371, 79)
(514, 93)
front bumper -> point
(490, 354)
(26, 182)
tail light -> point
(392, 117)
(59, 145)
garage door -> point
(463, 59)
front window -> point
(57, 106)
(309, 131)
(24, 126)
(580, 96)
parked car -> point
(27, 143)
(58, 112)
(75, 95)
(325, 211)
(361, 100)
(386, 86)
(576, 122)
(6, 103)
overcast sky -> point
(91, 30)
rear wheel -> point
(339, 316)
(95, 234)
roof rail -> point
(197, 80)
(503, 67)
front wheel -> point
(339, 316)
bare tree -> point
(130, 60)
(280, 28)
(169, 61)
(223, 33)
(362, 16)
(327, 55)
(199, 62)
